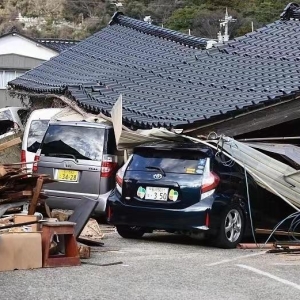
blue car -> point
(187, 188)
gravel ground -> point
(161, 266)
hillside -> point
(77, 19)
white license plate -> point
(156, 193)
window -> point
(79, 142)
(8, 75)
(36, 133)
(171, 162)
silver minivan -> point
(82, 157)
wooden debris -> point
(6, 220)
(61, 215)
(10, 143)
(16, 185)
(255, 246)
(84, 251)
(92, 231)
(36, 195)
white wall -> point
(16, 44)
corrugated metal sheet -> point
(290, 151)
(279, 176)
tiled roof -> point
(166, 79)
(58, 45)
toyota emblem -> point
(157, 176)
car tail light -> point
(207, 219)
(23, 157)
(119, 179)
(36, 159)
(209, 182)
(108, 168)
(120, 175)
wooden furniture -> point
(66, 234)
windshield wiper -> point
(64, 154)
(157, 168)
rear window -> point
(74, 142)
(170, 162)
(36, 133)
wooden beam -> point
(9, 144)
(252, 121)
(35, 198)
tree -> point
(182, 18)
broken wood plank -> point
(255, 246)
(21, 224)
(6, 219)
(35, 198)
(84, 251)
(11, 143)
(2, 171)
(15, 196)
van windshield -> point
(36, 133)
(78, 142)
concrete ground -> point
(161, 266)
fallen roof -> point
(166, 79)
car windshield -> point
(36, 133)
(169, 161)
(78, 142)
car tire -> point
(130, 232)
(231, 228)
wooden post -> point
(35, 198)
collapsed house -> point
(168, 79)
(248, 87)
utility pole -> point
(224, 24)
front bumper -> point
(194, 217)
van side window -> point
(36, 133)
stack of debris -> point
(16, 187)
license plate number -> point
(67, 175)
(156, 193)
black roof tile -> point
(58, 45)
(166, 80)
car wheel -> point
(130, 232)
(231, 228)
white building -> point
(19, 54)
